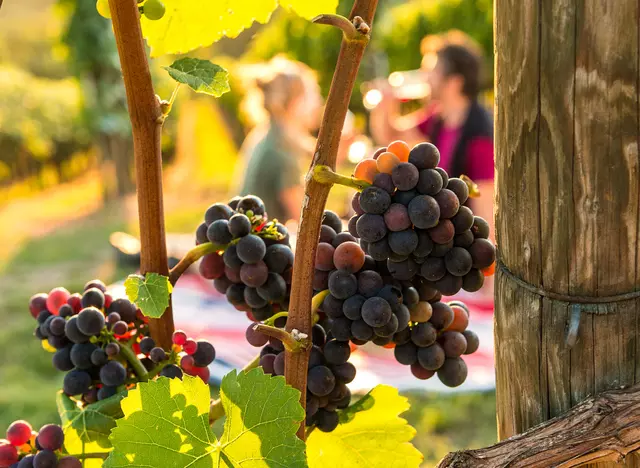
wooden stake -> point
(146, 124)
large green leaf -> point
(190, 24)
(150, 293)
(200, 75)
(370, 434)
(86, 430)
(166, 424)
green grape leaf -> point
(370, 434)
(190, 24)
(166, 423)
(200, 75)
(150, 293)
(86, 430)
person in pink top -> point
(453, 120)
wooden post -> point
(567, 203)
(146, 125)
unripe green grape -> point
(103, 8)
(154, 9)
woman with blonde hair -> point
(285, 103)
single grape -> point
(218, 231)
(483, 253)
(211, 266)
(147, 344)
(205, 354)
(424, 156)
(120, 328)
(352, 305)
(403, 316)
(464, 239)
(267, 363)
(402, 337)
(433, 268)
(369, 283)
(201, 234)
(179, 337)
(51, 437)
(403, 242)
(421, 312)
(332, 220)
(324, 257)
(37, 304)
(376, 312)
(235, 294)
(423, 334)
(453, 372)
(187, 363)
(342, 284)
(341, 328)
(431, 357)
(337, 352)
(473, 341)
(405, 176)
(332, 306)
(255, 338)
(56, 298)
(125, 308)
(352, 225)
(355, 204)
(374, 200)
(326, 421)
(93, 297)
(379, 250)
(406, 354)
(443, 232)
(45, 459)
(460, 188)
(19, 432)
(232, 275)
(157, 355)
(316, 357)
(444, 175)
(113, 374)
(239, 225)
(480, 228)
(453, 343)
(26, 462)
(99, 357)
(278, 258)
(327, 234)
(8, 454)
(371, 227)
(361, 331)
(424, 211)
(420, 372)
(253, 204)
(473, 280)
(442, 315)
(349, 257)
(366, 170)
(57, 325)
(387, 161)
(320, 381)
(429, 182)
(81, 355)
(274, 289)
(112, 349)
(448, 203)
(463, 220)
(216, 212)
(342, 238)
(383, 181)
(251, 249)
(76, 382)
(222, 284)
(458, 261)
(254, 275)
(278, 364)
(90, 321)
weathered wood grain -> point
(567, 201)
(604, 428)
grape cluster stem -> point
(294, 341)
(325, 175)
(191, 257)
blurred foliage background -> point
(66, 166)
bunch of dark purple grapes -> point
(97, 340)
(254, 262)
(327, 378)
(414, 219)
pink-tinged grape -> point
(460, 320)
(179, 337)
(453, 343)
(51, 437)
(56, 298)
(187, 363)
(442, 315)
(397, 217)
(420, 372)
(211, 266)
(348, 256)
(203, 372)
(8, 453)
(483, 253)
(190, 346)
(443, 232)
(324, 257)
(254, 337)
(37, 304)
(75, 301)
(19, 432)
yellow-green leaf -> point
(200, 75)
(150, 293)
(86, 430)
(370, 434)
(190, 24)
(166, 424)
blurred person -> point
(452, 118)
(285, 105)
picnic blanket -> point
(204, 313)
